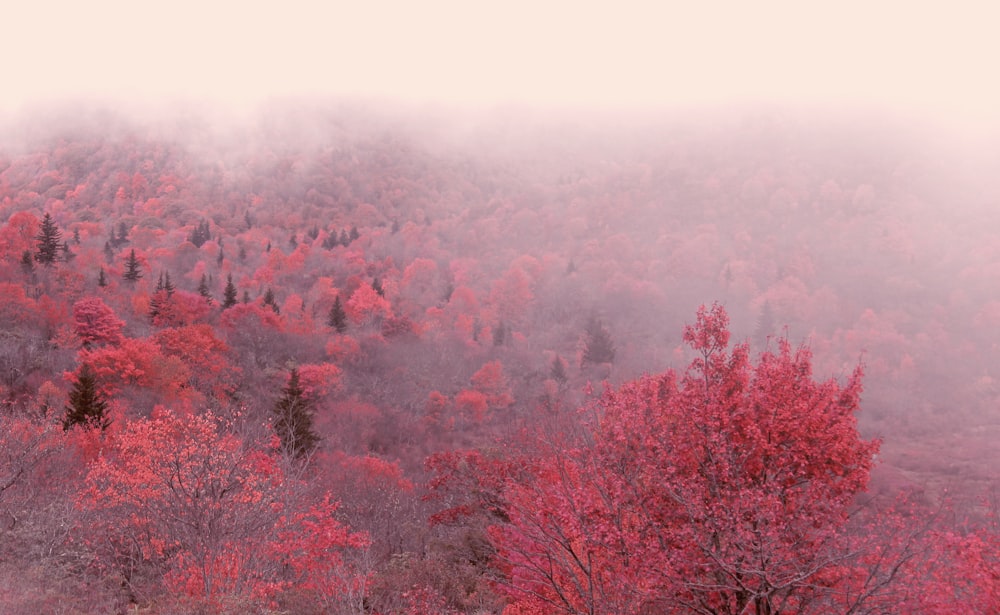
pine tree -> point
(354, 233)
(598, 346)
(293, 419)
(377, 287)
(86, 405)
(27, 262)
(67, 255)
(269, 300)
(102, 279)
(49, 242)
(200, 234)
(203, 289)
(338, 317)
(76, 236)
(499, 334)
(122, 238)
(133, 270)
(229, 294)
(558, 370)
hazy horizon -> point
(894, 58)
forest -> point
(354, 360)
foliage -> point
(293, 419)
(87, 406)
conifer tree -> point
(229, 294)
(558, 370)
(86, 405)
(598, 346)
(133, 270)
(269, 300)
(293, 419)
(49, 242)
(122, 238)
(67, 254)
(338, 317)
(203, 289)
(27, 262)
(102, 279)
(377, 287)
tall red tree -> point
(725, 489)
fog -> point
(893, 57)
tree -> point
(102, 278)
(200, 234)
(229, 293)
(724, 490)
(557, 371)
(203, 289)
(338, 317)
(598, 347)
(27, 263)
(87, 405)
(133, 270)
(49, 240)
(270, 301)
(96, 323)
(214, 517)
(293, 419)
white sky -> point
(905, 55)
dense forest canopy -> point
(349, 359)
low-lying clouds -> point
(893, 55)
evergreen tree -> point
(499, 334)
(133, 270)
(27, 262)
(294, 243)
(558, 370)
(598, 346)
(200, 234)
(67, 255)
(246, 297)
(338, 317)
(243, 254)
(76, 236)
(86, 404)
(229, 294)
(345, 239)
(102, 279)
(313, 232)
(354, 233)
(203, 289)
(377, 287)
(109, 252)
(221, 257)
(49, 242)
(293, 419)
(122, 238)
(269, 300)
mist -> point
(446, 236)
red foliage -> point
(96, 323)
(215, 515)
(691, 484)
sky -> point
(932, 58)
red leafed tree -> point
(177, 500)
(725, 489)
(96, 323)
(367, 307)
(491, 382)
